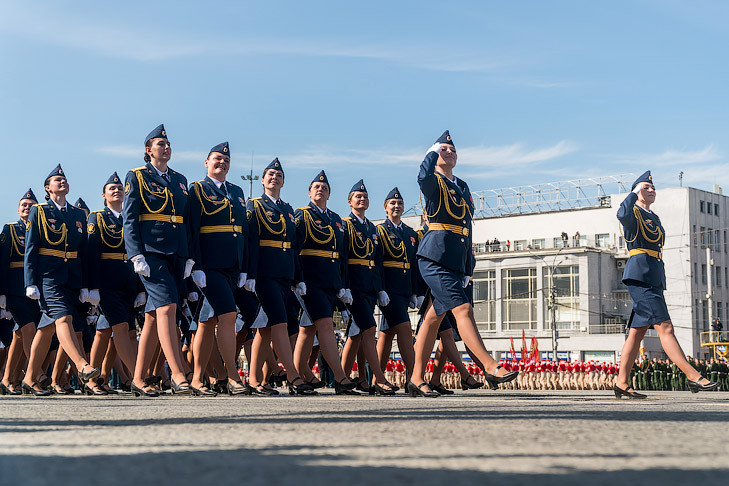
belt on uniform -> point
(16, 264)
(319, 253)
(275, 244)
(361, 261)
(453, 228)
(165, 218)
(638, 251)
(222, 228)
(58, 253)
(114, 256)
(404, 265)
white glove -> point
(242, 279)
(434, 148)
(345, 315)
(92, 320)
(140, 299)
(3, 301)
(32, 292)
(7, 315)
(192, 297)
(300, 289)
(83, 296)
(141, 267)
(345, 295)
(188, 267)
(466, 279)
(250, 285)
(421, 299)
(382, 298)
(198, 276)
(413, 304)
(94, 297)
(638, 188)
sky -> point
(531, 91)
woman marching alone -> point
(55, 274)
(645, 278)
(120, 289)
(25, 311)
(273, 267)
(157, 235)
(446, 263)
(322, 244)
(219, 226)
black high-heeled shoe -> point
(126, 387)
(45, 383)
(93, 390)
(181, 389)
(203, 392)
(141, 392)
(264, 390)
(59, 390)
(4, 390)
(239, 388)
(620, 393)
(465, 385)
(278, 379)
(362, 386)
(382, 391)
(15, 390)
(303, 389)
(696, 386)
(441, 389)
(34, 391)
(220, 386)
(345, 388)
(88, 375)
(416, 391)
(495, 380)
(315, 384)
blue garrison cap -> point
(158, 132)
(113, 179)
(445, 138)
(58, 171)
(394, 194)
(223, 148)
(81, 204)
(321, 177)
(275, 164)
(359, 186)
(645, 177)
(29, 195)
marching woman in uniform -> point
(120, 289)
(25, 311)
(400, 280)
(364, 260)
(645, 278)
(55, 273)
(157, 235)
(322, 249)
(273, 267)
(446, 263)
(220, 228)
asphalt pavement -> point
(474, 437)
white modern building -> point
(566, 236)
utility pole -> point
(709, 286)
(553, 312)
(250, 178)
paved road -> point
(475, 437)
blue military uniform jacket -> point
(645, 237)
(272, 240)
(12, 251)
(449, 207)
(322, 244)
(108, 262)
(55, 247)
(155, 213)
(399, 267)
(219, 226)
(364, 257)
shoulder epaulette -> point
(136, 169)
(41, 204)
(256, 198)
(304, 208)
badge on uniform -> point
(291, 217)
(374, 237)
(91, 228)
(80, 226)
(214, 197)
(412, 240)
(269, 214)
(242, 201)
(339, 225)
(184, 189)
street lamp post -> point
(250, 178)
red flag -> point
(513, 349)
(535, 349)
(524, 348)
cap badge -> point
(60, 171)
(225, 149)
(448, 137)
(163, 133)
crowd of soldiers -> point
(663, 375)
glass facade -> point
(484, 300)
(519, 298)
(567, 293)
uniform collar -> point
(159, 172)
(116, 215)
(65, 206)
(361, 221)
(217, 183)
(272, 199)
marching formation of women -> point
(171, 281)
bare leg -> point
(471, 338)
(424, 345)
(147, 346)
(228, 346)
(350, 354)
(67, 338)
(384, 347)
(170, 342)
(282, 345)
(259, 353)
(59, 367)
(369, 351)
(440, 359)
(99, 349)
(125, 347)
(405, 344)
(628, 355)
(204, 338)
(28, 332)
(302, 351)
(14, 358)
(674, 352)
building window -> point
(703, 273)
(621, 242)
(696, 315)
(725, 241)
(703, 237)
(718, 276)
(695, 243)
(704, 315)
(520, 245)
(696, 273)
(484, 300)
(716, 209)
(559, 242)
(519, 303)
(539, 244)
(717, 240)
(602, 240)
(701, 206)
(718, 312)
(567, 295)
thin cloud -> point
(133, 152)
(672, 157)
(514, 155)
